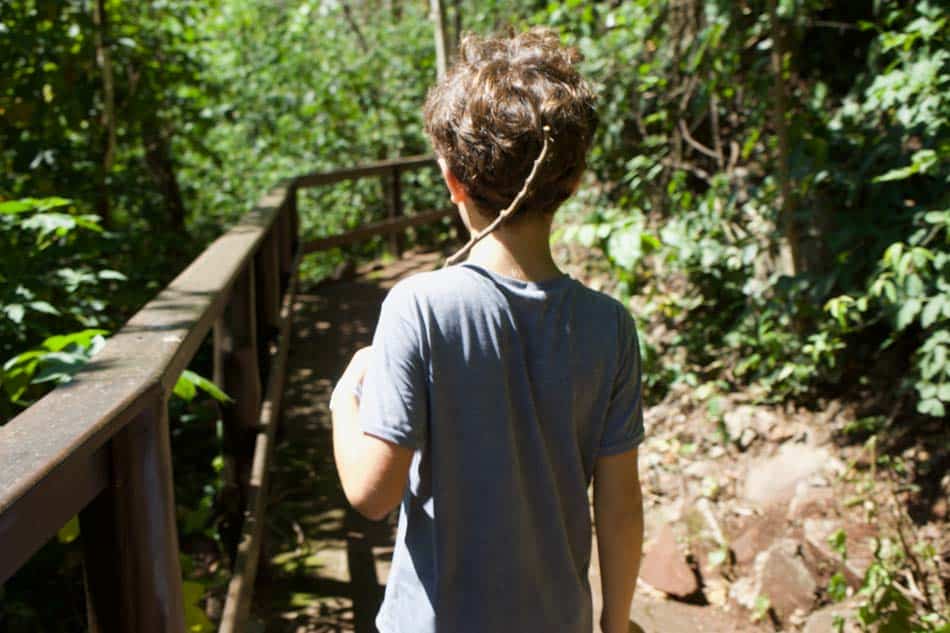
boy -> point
(497, 389)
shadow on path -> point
(324, 565)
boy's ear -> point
(457, 191)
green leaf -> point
(47, 223)
(907, 312)
(69, 532)
(14, 312)
(15, 206)
(44, 307)
(187, 385)
(931, 406)
(932, 311)
(112, 275)
(837, 587)
(83, 338)
(921, 162)
(30, 204)
(718, 556)
(60, 367)
(839, 543)
(195, 619)
(185, 388)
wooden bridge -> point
(99, 447)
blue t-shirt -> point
(508, 391)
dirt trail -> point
(325, 566)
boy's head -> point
(486, 119)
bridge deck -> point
(325, 567)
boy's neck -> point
(521, 250)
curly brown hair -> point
(486, 119)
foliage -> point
(312, 86)
(50, 268)
(690, 211)
(902, 588)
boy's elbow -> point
(373, 507)
(373, 512)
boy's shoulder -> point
(432, 288)
(456, 284)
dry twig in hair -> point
(505, 213)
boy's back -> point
(509, 390)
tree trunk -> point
(158, 158)
(104, 61)
(457, 33)
(437, 14)
(788, 248)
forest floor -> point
(737, 532)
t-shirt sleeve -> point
(624, 426)
(394, 395)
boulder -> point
(773, 479)
(823, 620)
(810, 501)
(781, 576)
(665, 568)
(758, 535)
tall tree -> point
(104, 61)
(437, 14)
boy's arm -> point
(618, 516)
(373, 471)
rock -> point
(701, 469)
(781, 576)
(760, 420)
(816, 533)
(742, 592)
(773, 479)
(717, 591)
(758, 535)
(746, 437)
(823, 620)
(664, 566)
(713, 526)
(810, 501)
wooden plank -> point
(149, 352)
(240, 590)
(48, 506)
(383, 227)
(372, 169)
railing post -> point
(236, 372)
(267, 278)
(294, 215)
(130, 540)
(395, 210)
(285, 254)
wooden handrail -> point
(383, 227)
(99, 446)
(381, 168)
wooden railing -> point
(99, 446)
